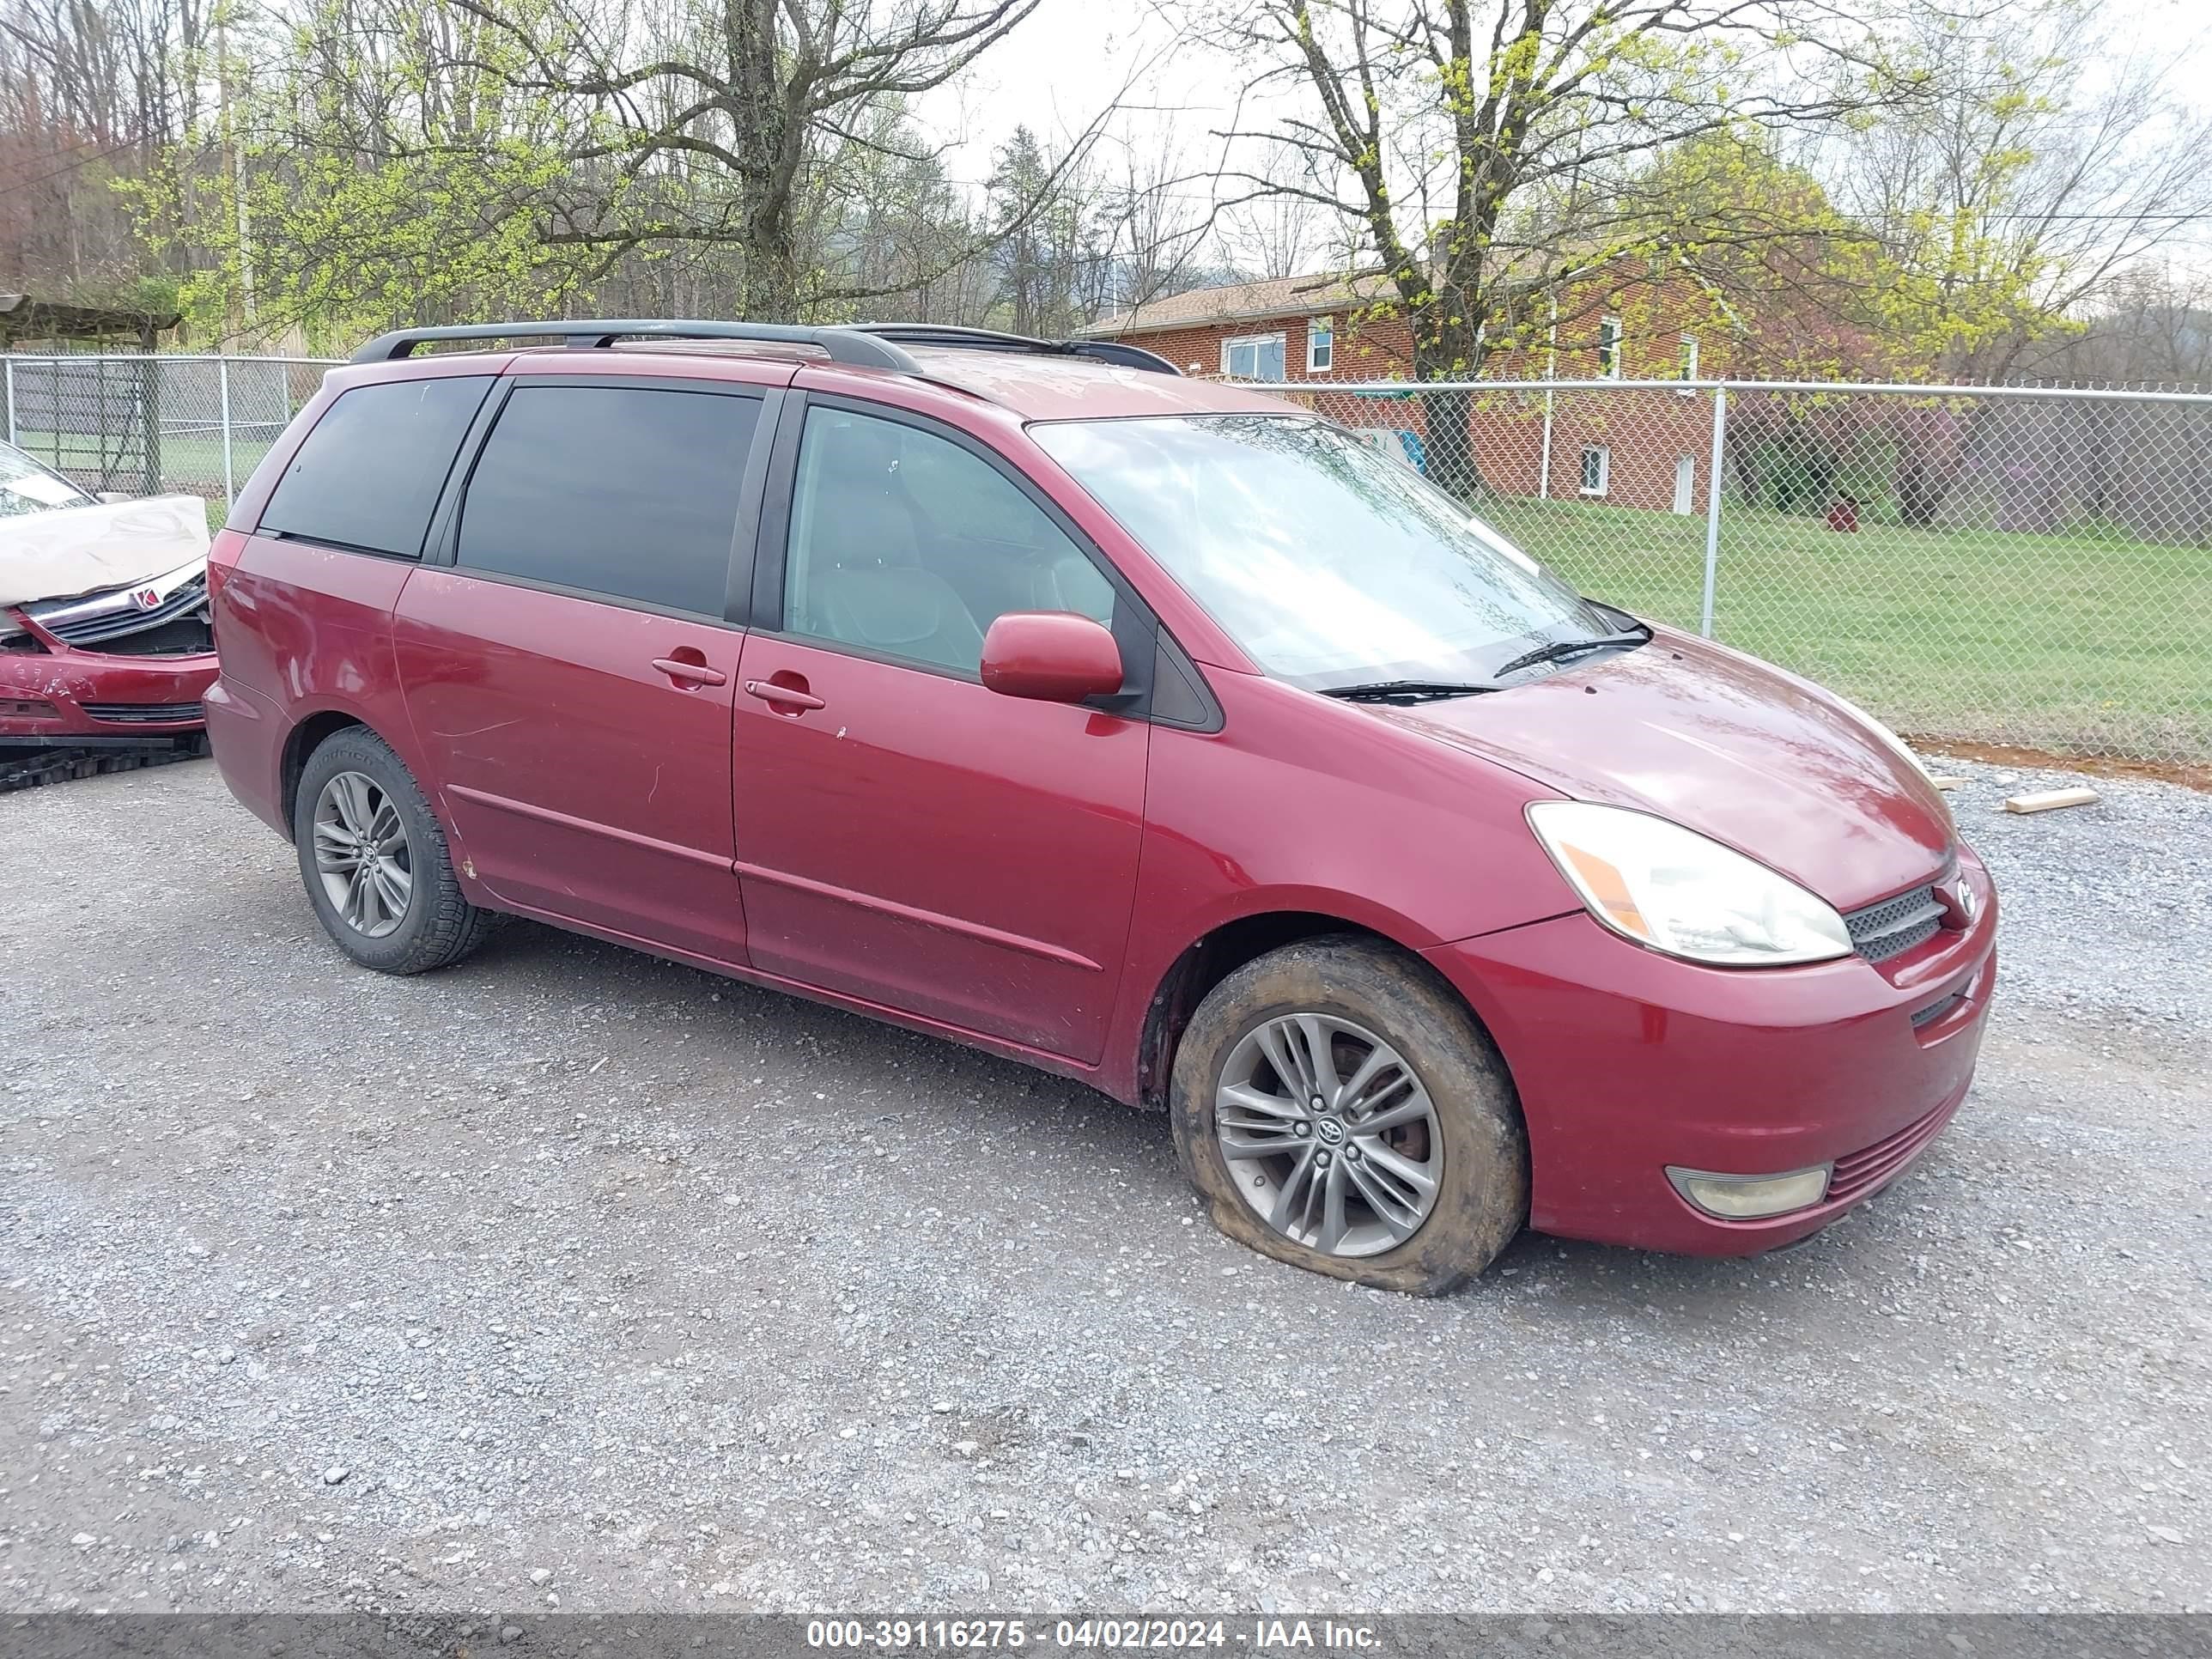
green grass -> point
(193, 464)
(2085, 643)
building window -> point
(1597, 470)
(1254, 357)
(1321, 345)
(1688, 366)
(1608, 348)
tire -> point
(1358, 993)
(435, 926)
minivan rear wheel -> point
(373, 860)
(1339, 1108)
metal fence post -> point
(1713, 510)
(11, 399)
(1544, 467)
(222, 381)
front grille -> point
(1863, 1171)
(142, 713)
(1896, 925)
(105, 625)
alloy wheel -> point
(1329, 1135)
(363, 855)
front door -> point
(568, 675)
(904, 835)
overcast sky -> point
(1067, 62)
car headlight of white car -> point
(1653, 882)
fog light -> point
(1748, 1198)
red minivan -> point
(1151, 731)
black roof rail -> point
(841, 345)
(987, 339)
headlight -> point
(1677, 891)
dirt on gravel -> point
(571, 1278)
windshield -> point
(1331, 563)
(27, 487)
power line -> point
(81, 161)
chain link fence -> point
(2028, 567)
(145, 425)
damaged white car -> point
(104, 633)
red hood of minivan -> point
(1724, 744)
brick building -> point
(1647, 449)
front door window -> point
(907, 545)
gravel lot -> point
(571, 1278)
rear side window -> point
(369, 473)
(627, 491)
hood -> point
(82, 549)
(1724, 745)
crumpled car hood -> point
(82, 549)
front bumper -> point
(1627, 1061)
(60, 695)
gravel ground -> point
(568, 1277)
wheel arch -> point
(1221, 951)
(306, 737)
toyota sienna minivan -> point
(1150, 732)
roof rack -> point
(987, 339)
(866, 346)
(841, 345)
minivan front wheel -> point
(373, 860)
(1339, 1108)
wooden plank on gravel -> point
(2049, 800)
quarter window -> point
(369, 473)
(1256, 357)
(626, 491)
(906, 544)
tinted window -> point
(369, 473)
(909, 544)
(618, 491)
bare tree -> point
(747, 90)
(1281, 230)
(2152, 325)
(90, 91)
(1154, 223)
(2051, 152)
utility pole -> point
(235, 171)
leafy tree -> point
(1488, 148)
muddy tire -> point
(1336, 1093)
(374, 860)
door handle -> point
(677, 669)
(769, 691)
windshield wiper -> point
(1407, 691)
(1562, 649)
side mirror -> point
(1051, 656)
